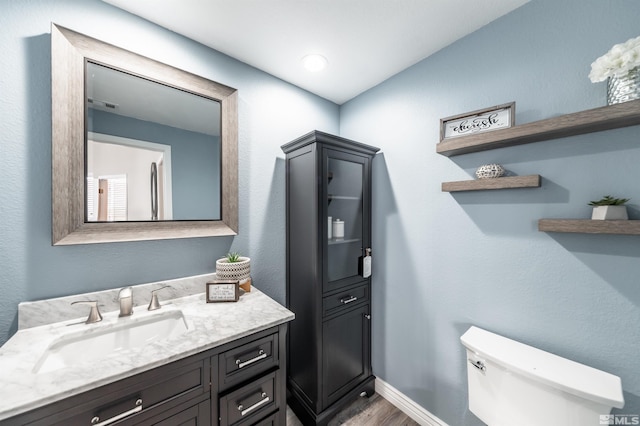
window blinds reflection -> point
(107, 198)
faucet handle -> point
(94, 314)
(153, 303)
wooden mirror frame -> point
(69, 50)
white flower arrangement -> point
(618, 61)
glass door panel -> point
(345, 214)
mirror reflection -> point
(153, 152)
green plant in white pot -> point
(235, 267)
(609, 208)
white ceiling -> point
(365, 41)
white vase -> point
(239, 270)
(609, 213)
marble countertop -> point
(209, 325)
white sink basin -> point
(106, 339)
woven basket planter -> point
(240, 270)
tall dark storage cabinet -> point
(329, 359)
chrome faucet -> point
(125, 297)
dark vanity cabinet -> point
(241, 383)
(328, 288)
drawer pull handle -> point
(348, 299)
(263, 401)
(96, 420)
(261, 355)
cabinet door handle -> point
(264, 400)
(261, 355)
(348, 299)
(96, 420)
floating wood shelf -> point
(532, 181)
(588, 226)
(578, 123)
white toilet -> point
(513, 384)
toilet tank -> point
(511, 383)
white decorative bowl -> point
(235, 270)
(490, 171)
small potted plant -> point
(609, 208)
(235, 267)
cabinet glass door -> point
(345, 218)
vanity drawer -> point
(135, 399)
(198, 414)
(351, 297)
(272, 420)
(247, 405)
(246, 361)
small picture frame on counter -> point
(482, 120)
(223, 291)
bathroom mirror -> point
(140, 150)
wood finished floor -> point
(374, 411)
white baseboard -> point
(406, 405)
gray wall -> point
(271, 113)
(443, 262)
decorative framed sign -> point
(223, 291)
(482, 120)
